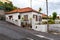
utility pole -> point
(47, 15)
(31, 3)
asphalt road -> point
(17, 33)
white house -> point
(24, 17)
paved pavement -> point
(17, 33)
(4, 37)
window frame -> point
(36, 17)
(25, 17)
(10, 17)
(19, 16)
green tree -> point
(9, 6)
(1, 5)
(40, 9)
(54, 15)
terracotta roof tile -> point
(22, 10)
(44, 15)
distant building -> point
(44, 16)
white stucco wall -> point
(15, 17)
(54, 27)
(34, 22)
(42, 28)
(29, 15)
(57, 21)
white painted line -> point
(55, 33)
(40, 36)
(29, 38)
(44, 37)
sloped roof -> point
(44, 15)
(22, 10)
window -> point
(33, 16)
(36, 27)
(10, 17)
(36, 17)
(25, 17)
(19, 16)
(40, 18)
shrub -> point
(51, 21)
(44, 22)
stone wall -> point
(2, 12)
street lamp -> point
(47, 15)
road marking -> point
(30, 38)
(55, 33)
(44, 37)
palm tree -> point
(40, 9)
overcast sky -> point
(54, 5)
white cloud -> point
(21, 3)
(53, 5)
(37, 4)
(54, 1)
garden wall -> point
(43, 28)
